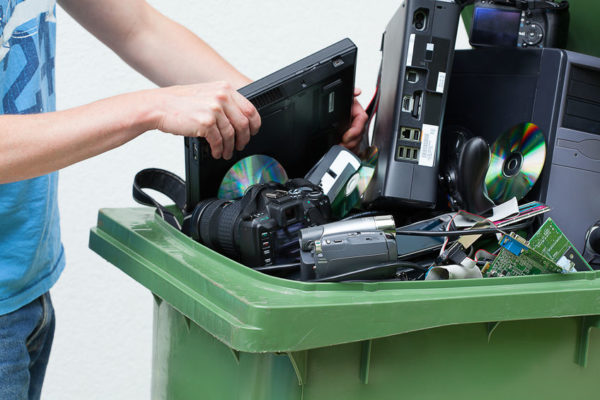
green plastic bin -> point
(223, 331)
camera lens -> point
(208, 220)
(226, 228)
(214, 224)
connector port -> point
(412, 76)
(417, 103)
(410, 135)
(412, 104)
(416, 135)
(420, 19)
(406, 153)
(407, 103)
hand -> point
(353, 136)
(214, 111)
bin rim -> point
(255, 312)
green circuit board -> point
(548, 251)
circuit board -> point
(551, 242)
(548, 251)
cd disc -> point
(517, 159)
(250, 171)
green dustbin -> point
(223, 331)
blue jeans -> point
(25, 341)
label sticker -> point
(441, 82)
(411, 49)
(428, 145)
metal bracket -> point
(583, 343)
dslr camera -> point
(262, 227)
(520, 23)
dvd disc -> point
(517, 159)
(250, 171)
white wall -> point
(103, 340)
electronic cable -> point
(361, 214)
(464, 232)
(354, 275)
(278, 267)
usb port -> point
(407, 103)
(415, 154)
(416, 135)
(401, 152)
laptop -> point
(305, 108)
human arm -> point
(168, 53)
(213, 110)
(32, 145)
(159, 48)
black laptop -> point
(304, 108)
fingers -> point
(227, 133)
(357, 92)
(235, 129)
(352, 137)
(249, 111)
(242, 121)
(214, 139)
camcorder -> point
(520, 23)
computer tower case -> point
(494, 89)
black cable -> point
(362, 214)
(356, 275)
(409, 264)
(465, 232)
(278, 267)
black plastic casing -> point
(493, 89)
(416, 62)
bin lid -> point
(253, 312)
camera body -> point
(520, 23)
(346, 246)
(262, 227)
(346, 252)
